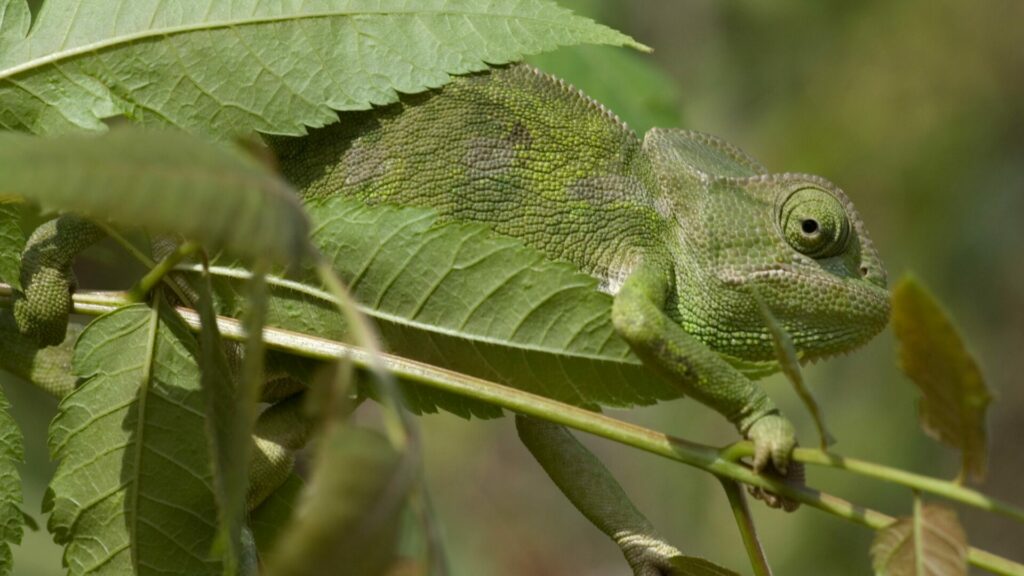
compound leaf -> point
(133, 492)
(277, 67)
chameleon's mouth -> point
(824, 314)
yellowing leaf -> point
(933, 355)
(929, 543)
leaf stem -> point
(748, 532)
(944, 488)
(157, 273)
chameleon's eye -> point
(815, 223)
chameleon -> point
(689, 237)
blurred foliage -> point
(915, 108)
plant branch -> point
(748, 532)
(944, 488)
(157, 273)
(694, 454)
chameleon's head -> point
(794, 241)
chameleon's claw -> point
(773, 500)
(774, 439)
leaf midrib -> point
(225, 271)
(60, 55)
(140, 424)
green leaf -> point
(229, 423)
(929, 543)
(462, 297)
(163, 181)
(635, 88)
(12, 242)
(693, 566)
(12, 452)
(933, 355)
(226, 67)
(133, 492)
(358, 489)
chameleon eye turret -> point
(815, 223)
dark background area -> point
(915, 108)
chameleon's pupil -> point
(809, 226)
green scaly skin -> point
(680, 227)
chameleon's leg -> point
(639, 317)
(42, 306)
(595, 493)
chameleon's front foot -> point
(774, 439)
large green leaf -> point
(462, 297)
(164, 181)
(133, 492)
(12, 452)
(954, 397)
(229, 67)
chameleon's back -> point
(513, 148)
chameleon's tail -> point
(42, 306)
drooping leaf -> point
(459, 296)
(48, 367)
(12, 452)
(133, 492)
(358, 489)
(929, 543)
(12, 242)
(228, 423)
(638, 91)
(932, 354)
(693, 566)
(164, 181)
(229, 67)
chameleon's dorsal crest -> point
(699, 156)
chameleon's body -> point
(538, 161)
(689, 235)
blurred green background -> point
(915, 108)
